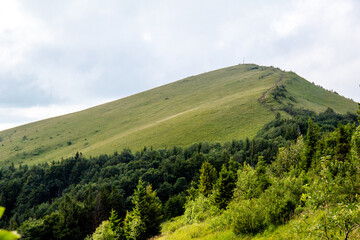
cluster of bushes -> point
(316, 175)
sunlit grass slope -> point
(213, 229)
(215, 106)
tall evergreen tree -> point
(224, 187)
(144, 220)
(116, 225)
(312, 138)
(102, 206)
(207, 178)
(68, 225)
(263, 181)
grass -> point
(216, 106)
(214, 229)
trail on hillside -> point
(137, 129)
(263, 97)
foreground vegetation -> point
(220, 106)
(220, 190)
(310, 191)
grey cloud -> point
(15, 92)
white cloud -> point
(19, 33)
(12, 117)
(326, 51)
(66, 53)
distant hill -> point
(229, 103)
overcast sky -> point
(61, 56)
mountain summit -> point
(221, 105)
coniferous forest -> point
(303, 170)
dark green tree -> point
(262, 181)
(343, 143)
(102, 206)
(174, 206)
(144, 220)
(33, 229)
(207, 178)
(224, 187)
(312, 138)
(68, 224)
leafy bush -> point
(281, 200)
(6, 235)
(199, 209)
(174, 206)
(33, 229)
(250, 217)
(103, 232)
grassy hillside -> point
(210, 229)
(216, 106)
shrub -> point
(250, 217)
(199, 209)
(281, 200)
(6, 235)
(103, 232)
(174, 206)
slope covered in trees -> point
(222, 105)
(79, 197)
(310, 191)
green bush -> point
(249, 218)
(199, 209)
(134, 227)
(281, 200)
(6, 235)
(33, 229)
(103, 232)
(174, 206)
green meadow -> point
(218, 106)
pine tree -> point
(224, 187)
(207, 178)
(262, 181)
(116, 225)
(68, 225)
(312, 138)
(144, 220)
(102, 206)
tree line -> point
(71, 198)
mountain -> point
(221, 105)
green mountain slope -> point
(221, 105)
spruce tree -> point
(224, 187)
(312, 138)
(262, 181)
(68, 225)
(144, 220)
(207, 178)
(116, 225)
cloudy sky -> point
(61, 56)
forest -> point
(301, 167)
